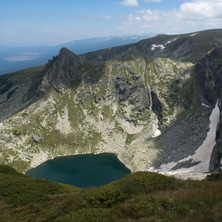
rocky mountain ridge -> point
(148, 104)
(188, 47)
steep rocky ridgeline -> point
(151, 111)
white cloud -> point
(106, 16)
(19, 58)
(193, 15)
(153, 0)
(130, 2)
(202, 8)
(99, 16)
(25, 56)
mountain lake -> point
(88, 170)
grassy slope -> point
(142, 196)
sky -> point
(51, 22)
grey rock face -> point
(13, 91)
(135, 92)
(62, 71)
(208, 75)
(183, 137)
(66, 70)
(157, 106)
(187, 134)
(217, 152)
(213, 68)
(37, 139)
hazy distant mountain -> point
(17, 58)
(92, 44)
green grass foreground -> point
(141, 196)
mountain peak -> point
(58, 73)
(66, 53)
(64, 50)
(61, 72)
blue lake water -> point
(82, 170)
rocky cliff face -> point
(205, 91)
(209, 79)
(14, 91)
(149, 110)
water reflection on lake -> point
(82, 170)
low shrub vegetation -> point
(142, 197)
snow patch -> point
(154, 46)
(193, 34)
(162, 46)
(190, 175)
(157, 133)
(202, 154)
(167, 167)
(180, 174)
(170, 41)
(203, 104)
